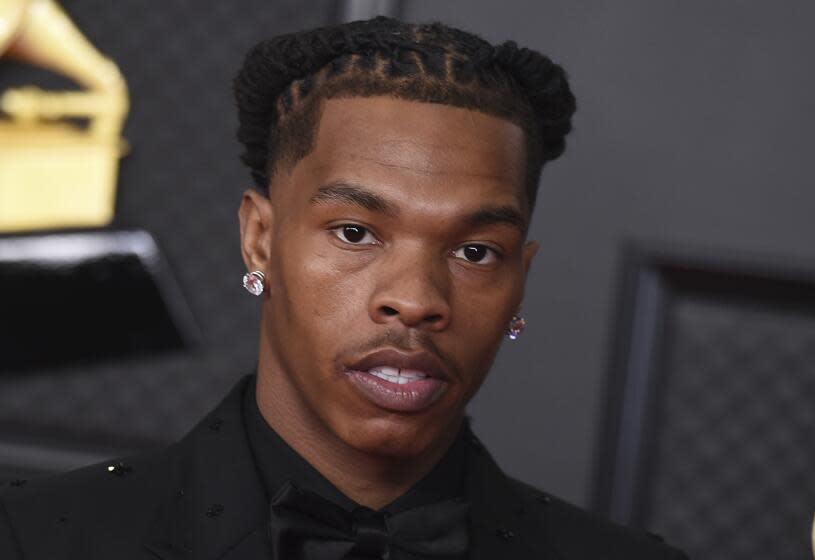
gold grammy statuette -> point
(55, 173)
(59, 158)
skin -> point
(409, 285)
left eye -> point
(475, 253)
(353, 234)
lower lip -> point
(410, 397)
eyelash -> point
(339, 232)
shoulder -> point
(117, 499)
(122, 507)
(575, 533)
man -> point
(397, 167)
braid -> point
(283, 80)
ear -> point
(530, 249)
(257, 220)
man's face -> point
(396, 261)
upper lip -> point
(426, 362)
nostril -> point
(434, 319)
(390, 311)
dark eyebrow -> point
(497, 215)
(360, 196)
(353, 194)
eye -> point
(476, 253)
(354, 234)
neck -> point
(370, 480)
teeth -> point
(396, 375)
(385, 370)
(412, 373)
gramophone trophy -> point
(59, 158)
(55, 173)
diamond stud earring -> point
(253, 282)
(516, 327)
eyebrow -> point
(353, 194)
(348, 193)
(493, 215)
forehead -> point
(430, 150)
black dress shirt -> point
(277, 463)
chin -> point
(394, 435)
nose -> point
(414, 291)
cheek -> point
(485, 305)
(482, 312)
(322, 290)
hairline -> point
(286, 161)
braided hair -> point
(283, 81)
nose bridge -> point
(412, 285)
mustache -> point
(405, 341)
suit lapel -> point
(218, 504)
(505, 521)
(217, 508)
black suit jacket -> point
(202, 498)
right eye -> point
(354, 234)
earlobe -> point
(256, 217)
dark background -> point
(693, 134)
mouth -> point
(398, 381)
(397, 375)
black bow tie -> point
(306, 526)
